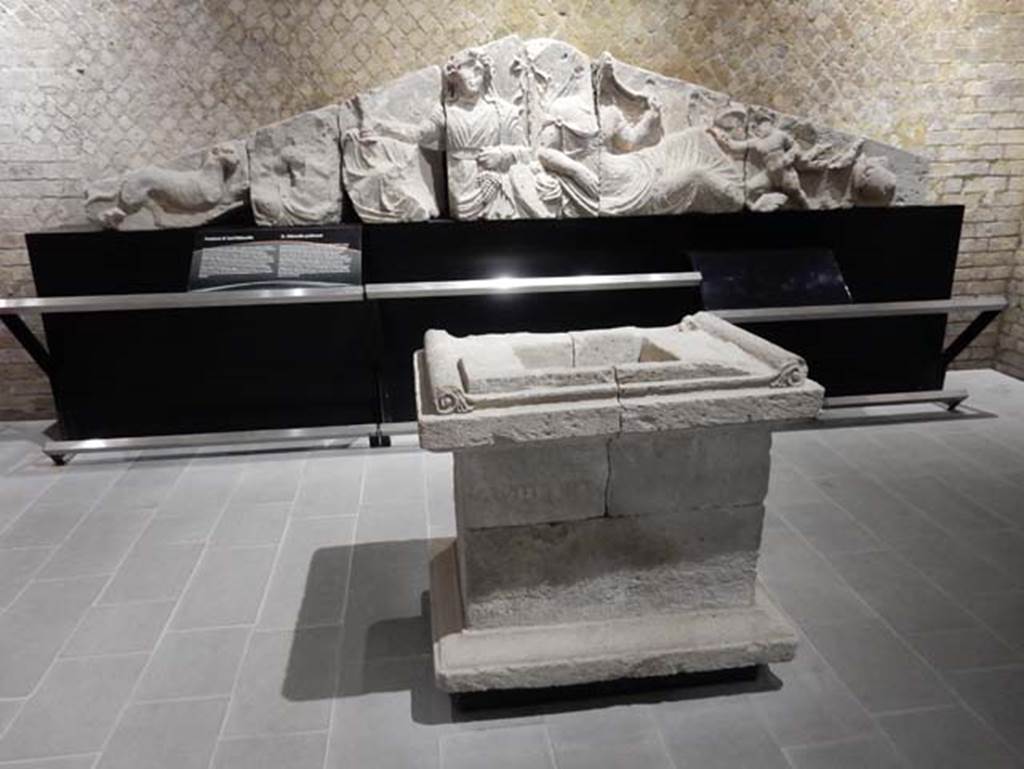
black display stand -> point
(191, 370)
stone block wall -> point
(88, 89)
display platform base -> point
(527, 657)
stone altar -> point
(608, 495)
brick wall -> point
(91, 88)
(1010, 355)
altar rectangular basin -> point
(609, 489)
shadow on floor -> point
(384, 646)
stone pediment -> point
(517, 129)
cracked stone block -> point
(679, 471)
(295, 166)
(609, 568)
(512, 486)
(185, 192)
(392, 140)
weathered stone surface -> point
(661, 151)
(519, 485)
(185, 192)
(608, 567)
(703, 371)
(563, 126)
(602, 508)
(793, 162)
(491, 171)
(510, 423)
(881, 167)
(675, 472)
(528, 129)
(686, 410)
(521, 131)
(295, 170)
(607, 347)
(560, 654)
(392, 139)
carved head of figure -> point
(226, 156)
(762, 124)
(874, 183)
(468, 75)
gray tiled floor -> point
(231, 611)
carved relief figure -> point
(295, 169)
(491, 170)
(526, 129)
(391, 140)
(775, 153)
(874, 183)
(647, 170)
(563, 123)
(188, 191)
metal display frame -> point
(59, 450)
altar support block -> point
(608, 490)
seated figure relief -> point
(492, 173)
(564, 126)
(517, 129)
(391, 140)
(295, 170)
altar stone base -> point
(535, 656)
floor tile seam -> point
(322, 517)
(981, 722)
(762, 719)
(814, 434)
(970, 460)
(270, 735)
(885, 541)
(211, 697)
(336, 684)
(548, 744)
(17, 548)
(662, 740)
(876, 732)
(781, 514)
(956, 601)
(936, 673)
(887, 485)
(22, 761)
(18, 515)
(67, 640)
(1007, 667)
(132, 601)
(145, 668)
(78, 524)
(805, 638)
(251, 633)
(291, 628)
(894, 712)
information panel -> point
(268, 257)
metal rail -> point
(59, 450)
(864, 310)
(509, 285)
(179, 300)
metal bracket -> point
(968, 335)
(28, 340)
